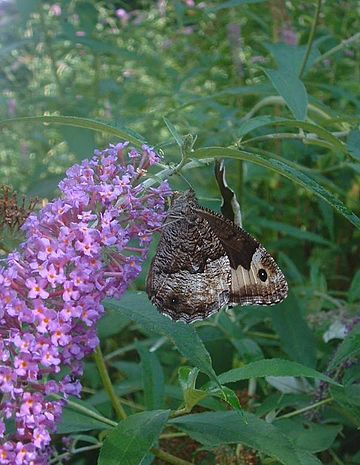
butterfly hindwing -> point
(190, 276)
(255, 277)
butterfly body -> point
(204, 262)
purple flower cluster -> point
(79, 249)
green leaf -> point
(291, 89)
(290, 58)
(278, 401)
(289, 230)
(283, 169)
(232, 4)
(173, 132)
(353, 394)
(76, 121)
(328, 217)
(248, 349)
(228, 395)
(347, 349)
(292, 271)
(111, 323)
(354, 291)
(309, 436)
(73, 422)
(136, 305)
(132, 439)
(306, 458)
(216, 428)
(272, 367)
(290, 384)
(351, 411)
(258, 89)
(79, 415)
(131, 370)
(351, 374)
(187, 380)
(81, 143)
(353, 144)
(153, 378)
(296, 338)
(122, 389)
(187, 377)
(260, 121)
(257, 122)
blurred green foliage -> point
(236, 74)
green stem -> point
(339, 304)
(172, 435)
(128, 348)
(179, 412)
(50, 51)
(290, 135)
(277, 100)
(164, 174)
(343, 44)
(66, 455)
(274, 337)
(305, 409)
(335, 457)
(166, 457)
(185, 150)
(311, 38)
(271, 100)
(104, 374)
(86, 411)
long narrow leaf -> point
(272, 367)
(283, 169)
(76, 121)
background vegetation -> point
(276, 84)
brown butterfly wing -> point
(256, 279)
(190, 275)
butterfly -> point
(204, 262)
